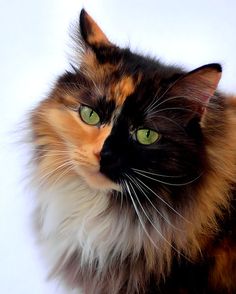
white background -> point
(34, 49)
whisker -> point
(155, 174)
(48, 175)
(47, 150)
(139, 215)
(174, 108)
(122, 199)
(162, 200)
(146, 196)
(167, 183)
(166, 91)
(178, 97)
(160, 234)
(55, 164)
(166, 118)
(66, 171)
(164, 101)
(48, 155)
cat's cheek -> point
(68, 127)
(95, 179)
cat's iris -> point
(147, 136)
(88, 115)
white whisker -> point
(174, 108)
(162, 200)
(157, 210)
(164, 93)
(153, 115)
(58, 155)
(159, 233)
(139, 216)
(155, 174)
(64, 173)
(163, 102)
(48, 175)
(167, 183)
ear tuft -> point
(91, 32)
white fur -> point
(71, 218)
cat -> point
(135, 169)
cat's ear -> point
(198, 85)
(91, 32)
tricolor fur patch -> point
(121, 213)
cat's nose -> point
(106, 156)
(110, 163)
(109, 166)
(98, 145)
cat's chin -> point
(96, 180)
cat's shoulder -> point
(222, 251)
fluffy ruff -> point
(104, 248)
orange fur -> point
(223, 274)
(70, 149)
(121, 90)
(96, 35)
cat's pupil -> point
(148, 133)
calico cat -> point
(135, 172)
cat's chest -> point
(69, 211)
(75, 218)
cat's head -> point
(121, 120)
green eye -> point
(147, 136)
(88, 115)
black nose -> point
(110, 162)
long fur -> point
(93, 237)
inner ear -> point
(197, 87)
(91, 32)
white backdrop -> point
(34, 47)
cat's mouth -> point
(96, 180)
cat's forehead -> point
(122, 88)
(118, 73)
(112, 79)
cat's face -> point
(122, 118)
